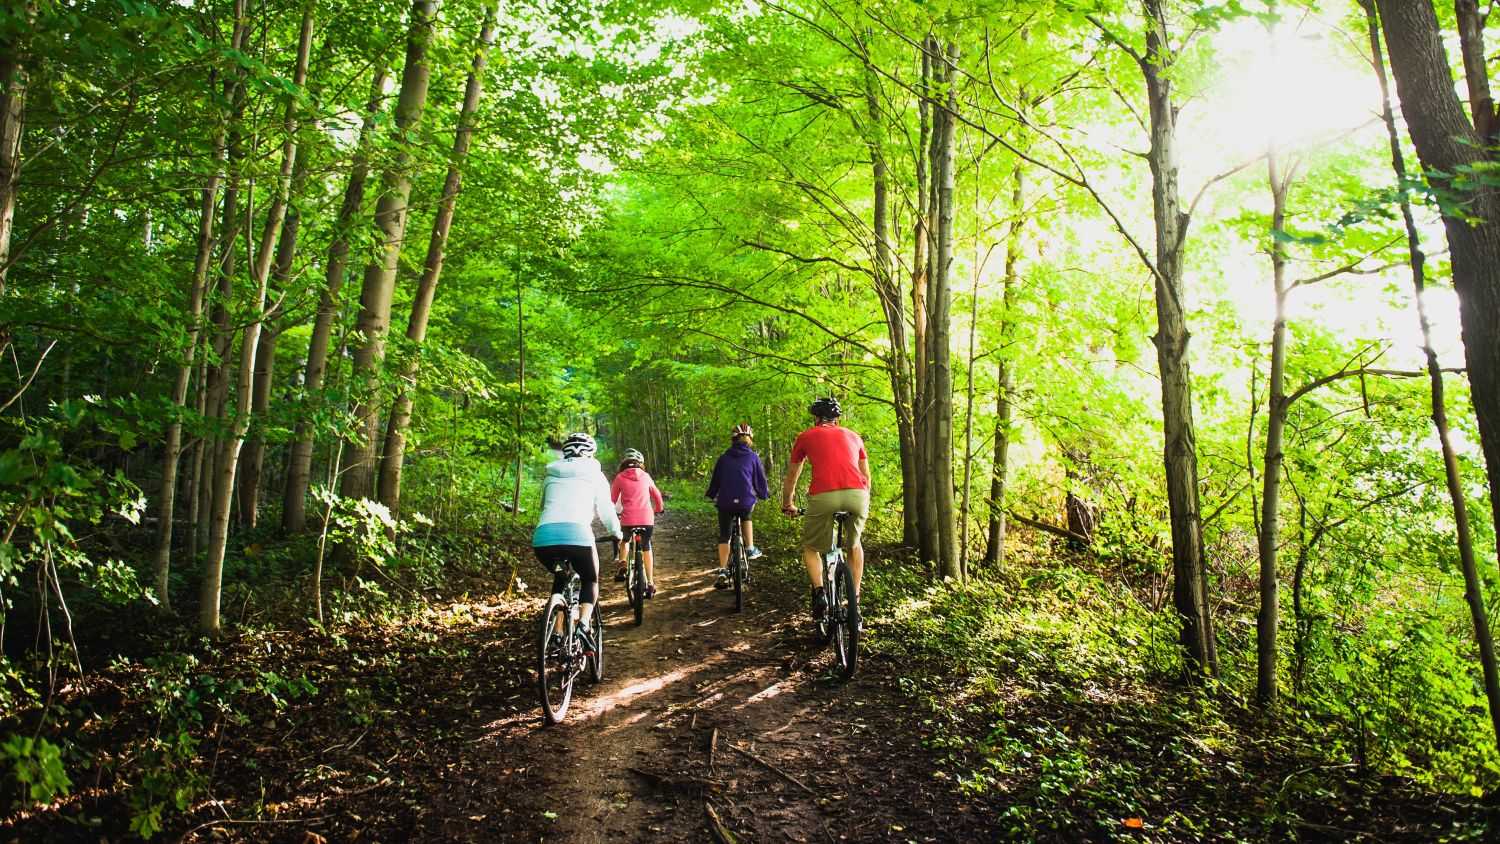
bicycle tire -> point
(846, 637)
(630, 579)
(825, 627)
(737, 567)
(638, 587)
(554, 668)
(596, 630)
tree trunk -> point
(215, 373)
(940, 304)
(172, 450)
(921, 237)
(223, 488)
(521, 392)
(1447, 144)
(964, 511)
(299, 462)
(1180, 454)
(1417, 58)
(13, 78)
(265, 355)
(195, 460)
(394, 453)
(380, 275)
(260, 404)
(994, 554)
(888, 289)
(1269, 618)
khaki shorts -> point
(817, 525)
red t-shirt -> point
(835, 453)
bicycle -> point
(739, 562)
(560, 658)
(841, 621)
(635, 576)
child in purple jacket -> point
(738, 482)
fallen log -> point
(1051, 528)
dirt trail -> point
(796, 757)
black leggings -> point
(724, 517)
(580, 558)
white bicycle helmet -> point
(579, 445)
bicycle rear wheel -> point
(846, 623)
(825, 627)
(554, 670)
(638, 587)
(737, 568)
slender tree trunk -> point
(521, 392)
(380, 275)
(208, 611)
(394, 453)
(260, 405)
(940, 305)
(1416, 42)
(265, 356)
(172, 451)
(195, 459)
(1269, 618)
(994, 554)
(216, 374)
(1180, 455)
(921, 237)
(299, 462)
(967, 485)
(887, 288)
(13, 78)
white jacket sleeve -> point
(604, 505)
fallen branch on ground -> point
(669, 782)
(716, 827)
(772, 768)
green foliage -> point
(35, 766)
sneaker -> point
(754, 553)
(620, 574)
(651, 590)
(819, 605)
(585, 644)
(723, 581)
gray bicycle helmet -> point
(634, 456)
(825, 408)
(579, 445)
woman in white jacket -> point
(573, 493)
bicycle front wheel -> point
(846, 624)
(554, 668)
(596, 632)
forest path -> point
(796, 757)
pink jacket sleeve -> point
(656, 501)
(614, 490)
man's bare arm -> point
(789, 486)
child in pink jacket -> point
(638, 500)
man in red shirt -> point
(840, 483)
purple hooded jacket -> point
(739, 480)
